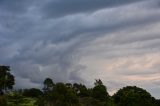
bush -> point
(33, 92)
(3, 101)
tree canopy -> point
(100, 91)
(48, 84)
(132, 96)
(68, 94)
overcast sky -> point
(117, 41)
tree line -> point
(68, 94)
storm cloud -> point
(58, 8)
(79, 41)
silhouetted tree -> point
(157, 102)
(81, 90)
(98, 82)
(60, 95)
(68, 85)
(48, 84)
(132, 96)
(65, 96)
(6, 79)
(99, 92)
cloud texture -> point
(79, 41)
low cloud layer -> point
(79, 41)
(58, 8)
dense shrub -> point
(3, 101)
(33, 92)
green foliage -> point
(78, 95)
(48, 84)
(6, 79)
(64, 96)
(98, 82)
(90, 101)
(3, 101)
(132, 96)
(60, 95)
(99, 92)
(81, 90)
(156, 102)
(33, 92)
(16, 99)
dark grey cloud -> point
(60, 8)
(16, 6)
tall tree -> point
(48, 84)
(6, 79)
(100, 91)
